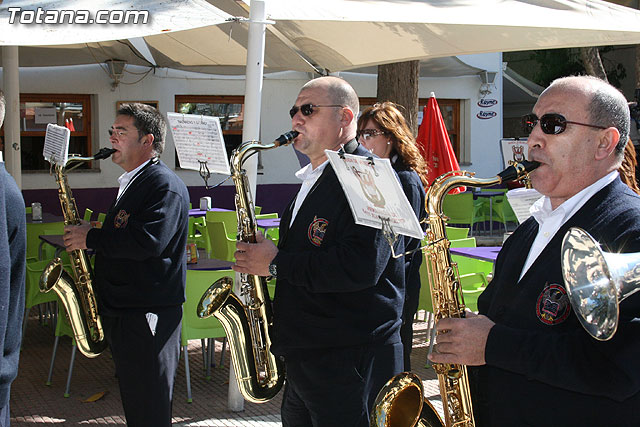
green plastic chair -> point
(472, 284)
(193, 327)
(198, 233)
(469, 242)
(257, 209)
(461, 209)
(88, 213)
(28, 210)
(229, 219)
(222, 246)
(455, 233)
(36, 229)
(101, 217)
(33, 296)
(63, 328)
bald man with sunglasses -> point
(532, 363)
(339, 293)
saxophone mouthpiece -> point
(518, 170)
(286, 138)
(104, 153)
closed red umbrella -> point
(434, 144)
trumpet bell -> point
(597, 281)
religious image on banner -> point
(434, 144)
(374, 194)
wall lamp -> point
(488, 79)
(115, 70)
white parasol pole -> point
(251, 131)
(11, 88)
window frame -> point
(86, 132)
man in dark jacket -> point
(536, 365)
(339, 294)
(140, 267)
(13, 246)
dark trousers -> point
(337, 387)
(409, 310)
(146, 363)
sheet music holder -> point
(374, 194)
(56, 144)
(199, 141)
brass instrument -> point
(76, 293)
(597, 281)
(259, 373)
(448, 301)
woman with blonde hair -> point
(383, 130)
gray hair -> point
(607, 105)
(147, 120)
(339, 91)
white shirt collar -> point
(125, 179)
(307, 172)
(541, 209)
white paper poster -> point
(514, 149)
(374, 193)
(199, 139)
(45, 115)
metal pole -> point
(11, 88)
(251, 131)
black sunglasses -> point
(307, 109)
(551, 124)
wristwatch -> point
(273, 270)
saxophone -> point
(448, 301)
(76, 293)
(259, 373)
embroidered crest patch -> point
(316, 230)
(121, 219)
(553, 305)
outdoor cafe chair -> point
(33, 296)
(193, 327)
(461, 209)
(222, 246)
(63, 328)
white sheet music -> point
(199, 138)
(521, 200)
(56, 144)
(374, 193)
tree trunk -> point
(398, 83)
(592, 63)
(637, 86)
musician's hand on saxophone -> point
(462, 340)
(75, 236)
(254, 258)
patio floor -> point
(33, 403)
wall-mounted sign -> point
(514, 149)
(45, 115)
(486, 114)
(486, 103)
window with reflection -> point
(38, 110)
(229, 109)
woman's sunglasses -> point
(551, 124)
(307, 109)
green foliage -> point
(554, 63)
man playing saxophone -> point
(534, 363)
(339, 293)
(140, 266)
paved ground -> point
(34, 404)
